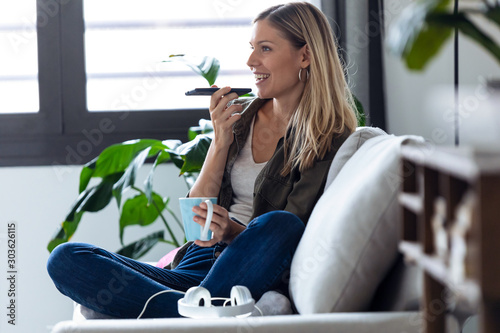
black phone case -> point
(210, 91)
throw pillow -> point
(167, 259)
(349, 147)
(351, 238)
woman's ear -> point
(306, 56)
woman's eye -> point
(265, 48)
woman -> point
(267, 163)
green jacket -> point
(297, 192)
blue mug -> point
(193, 230)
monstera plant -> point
(116, 169)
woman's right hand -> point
(223, 117)
(224, 229)
(209, 181)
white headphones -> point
(197, 303)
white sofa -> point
(346, 275)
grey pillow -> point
(350, 241)
(349, 147)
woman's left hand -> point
(223, 228)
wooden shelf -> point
(411, 201)
(463, 162)
(467, 291)
(456, 194)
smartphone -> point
(210, 91)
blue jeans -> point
(259, 258)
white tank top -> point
(243, 176)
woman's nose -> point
(251, 60)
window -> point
(92, 72)
(30, 111)
(124, 51)
(19, 67)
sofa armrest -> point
(388, 322)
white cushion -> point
(351, 237)
(349, 147)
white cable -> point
(260, 311)
(181, 292)
(158, 293)
(261, 314)
(221, 299)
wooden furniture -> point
(450, 200)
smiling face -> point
(275, 63)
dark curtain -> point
(358, 26)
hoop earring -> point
(300, 74)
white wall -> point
(37, 200)
(422, 102)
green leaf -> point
(193, 153)
(64, 232)
(70, 227)
(138, 211)
(412, 38)
(360, 111)
(90, 200)
(424, 26)
(171, 144)
(128, 178)
(86, 174)
(494, 14)
(465, 26)
(139, 248)
(117, 158)
(162, 157)
(78, 204)
(95, 198)
(469, 29)
(205, 126)
(55, 241)
(177, 159)
(100, 195)
(208, 67)
(148, 183)
(426, 46)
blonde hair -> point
(326, 108)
